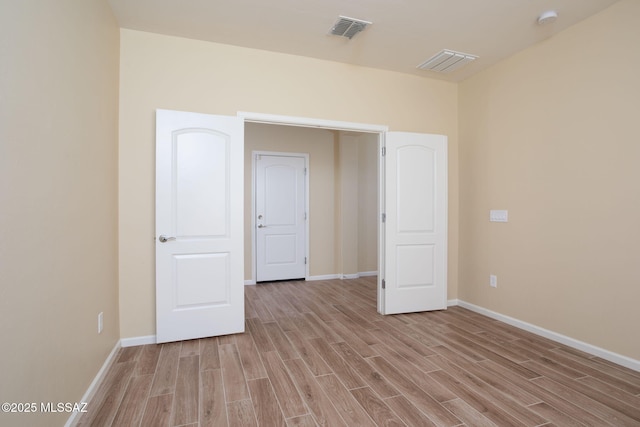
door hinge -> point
(305, 260)
(384, 284)
(384, 217)
(305, 171)
(384, 151)
(305, 216)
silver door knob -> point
(262, 226)
(164, 238)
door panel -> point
(415, 232)
(280, 217)
(199, 270)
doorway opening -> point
(345, 170)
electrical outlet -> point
(493, 281)
(100, 323)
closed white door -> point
(199, 227)
(280, 217)
(415, 228)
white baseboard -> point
(554, 336)
(452, 302)
(368, 273)
(133, 341)
(251, 282)
(323, 277)
(93, 387)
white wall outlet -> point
(493, 280)
(100, 323)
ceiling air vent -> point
(446, 61)
(348, 27)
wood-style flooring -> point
(318, 354)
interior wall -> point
(58, 198)
(175, 73)
(358, 193)
(368, 220)
(551, 135)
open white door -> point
(199, 225)
(415, 229)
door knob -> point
(262, 226)
(164, 238)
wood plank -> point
(251, 362)
(290, 400)
(408, 413)
(314, 396)
(241, 414)
(348, 407)
(303, 421)
(148, 359)
(280, 341)
(131, 408)
(103, 407)
(213, 410)
(209, 354)
(552, 414)
(128, 354)
(165, 379)
(352, 336)
(157, 412)
(265, 403)
(609, 414)
(419, 397)
(186, 399)
(558, 402)
(476, 386)
(477, 401)
(518, 394)
(467, 413)
(307, 352)
(338, 365)
(377, 382)
(190, 348)
(235, 383)
(381, 414)
(259, 334)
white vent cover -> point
(348, 27)
(446, 61)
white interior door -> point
(199, 225)
(415, 230)
(280, 217)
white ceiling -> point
(404, 33)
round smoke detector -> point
(547, 17)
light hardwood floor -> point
(317, 353)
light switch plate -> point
(499, 216)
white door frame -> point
(346, 126)
(253, 206)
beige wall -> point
(358, 193)
(551, 134)
(174, 73)
(368, 219)
(58, 200)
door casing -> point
(345, 126)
